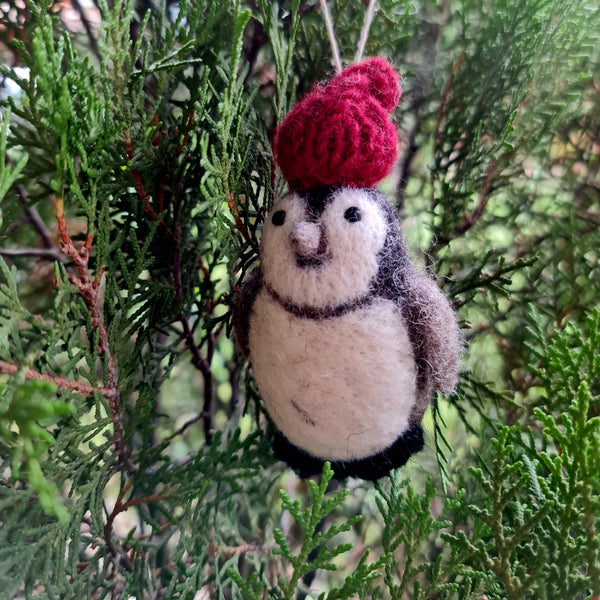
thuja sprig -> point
(28, 406)
(504, 483)
(314, 553)
(359, 584)
(565, 360)
(576, 474)
(282, 47)
(252, 588)
(408, 522)
(9, 172)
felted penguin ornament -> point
(346, 340)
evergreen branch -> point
(240, 224)
(139, 184)
(173, 97)
(437, 135)
(88, 29)
(49, 253)
(313, 553)
(203, 364)
(30, 212)
(88, 291)
(7, 368)
(9, 174)
(471, 219)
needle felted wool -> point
(340, 134)
(346, 340)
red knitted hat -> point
(339, 133)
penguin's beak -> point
(309, 243)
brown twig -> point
(404, 166)
(471, 219)
(7, 368)
(140, 188)
(118, 552)
(238, 221)
(204, 366)
(32, 214)
(88, 290)
(437, 136)
(230, 551)
(185, 426)
(88, 29)
(121, 507)
(50, 253)
(253, 46)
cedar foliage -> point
(136, 171)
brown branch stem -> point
(185, 426)
(140, 188)
(405, 165)
(437, 136)
(32, 214)
(238, 221)
(121, 506)
(7, 368)
(471, 219)
(87, 288)
(203, 364)
(49, 253)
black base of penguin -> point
(370, 468)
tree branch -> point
(88, 29)
(32, 214)
(437, 136)
(471, 219)
(7, 368)
(404, 166)
(49, 253)
(203, 364)
(88, 290)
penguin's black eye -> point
(352, 214)
(278, 218)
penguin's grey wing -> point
(436, 335)
(241, 308)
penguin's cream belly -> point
(341, 388)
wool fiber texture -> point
(329, 384)
(347, 341)
(371, 468)
(344, 255)
(340, 133)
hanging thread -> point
(334, 47)
(364, 34)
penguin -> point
(346, 340)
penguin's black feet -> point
(370, 468)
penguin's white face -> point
(323, 258)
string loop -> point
(364, 34)
(334, 47)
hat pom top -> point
(340, 133)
